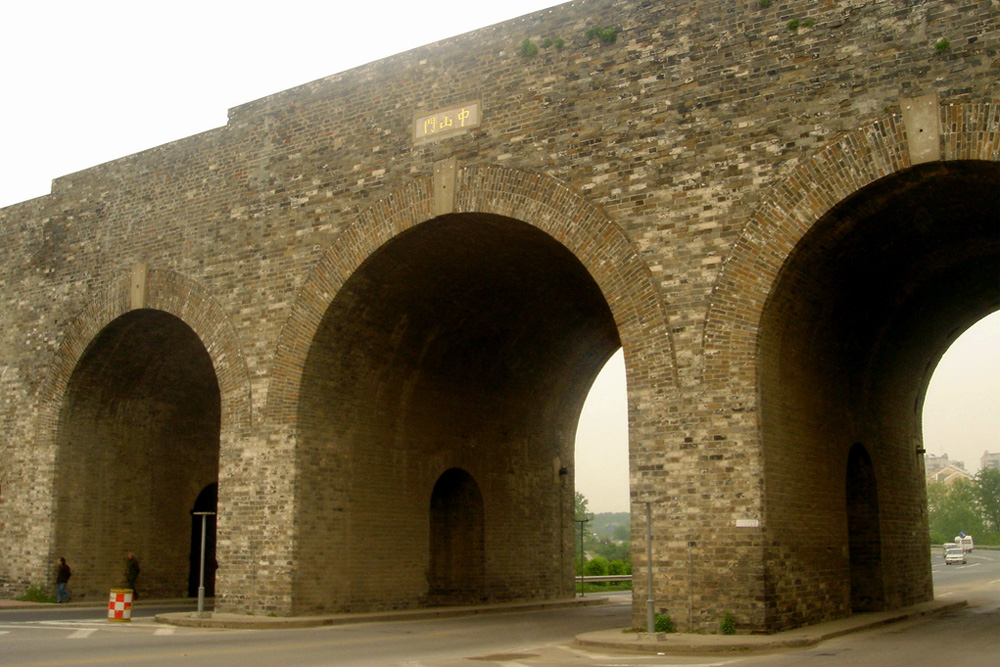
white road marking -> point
(82, 634)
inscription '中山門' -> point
(446, 122)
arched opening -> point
(203, 511)
(860, 313)
(468, 341)
(601, 463)
(602, 440)
(456, 574)
(863, 533)
(960, 416)
(138, 440)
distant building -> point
(942, 470)
(989, 460)
(934, 463)
(948, 474)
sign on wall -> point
(446, 122)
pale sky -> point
(87, 81)
(962, 406)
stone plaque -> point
(446, 122)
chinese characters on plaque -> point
(446, 122)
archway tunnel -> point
(860, 314)
(468, 342)
(138, 441)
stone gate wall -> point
(697, 127)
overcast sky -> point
(87, 81)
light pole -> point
(582, 557)
(650, 604)
(201, 568)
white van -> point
(965, 542)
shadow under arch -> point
(864, 532)
(433, 289)
(834, 306)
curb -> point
(660, 643)
(234, 621)
(92, 604)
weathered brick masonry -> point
(378, 345)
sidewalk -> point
(656, 643)
(248, 622)
(101, 604)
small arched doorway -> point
(457, 550)
(207, 501)
(864, 534)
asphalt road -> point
(969, 636)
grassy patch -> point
(36, 593)
(605, 587)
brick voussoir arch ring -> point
(172, 293)
(969, 131)
(540, 200)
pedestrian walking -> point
(63, 573)
(132, 573)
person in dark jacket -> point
(63, 573)
(132, 573)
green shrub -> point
(765, 4)
(793, 24)
(728, 625)
(528, 49)
(606, 35)
(616, 567)
(662, 623)
(36, 593)
(597, 567)
(942, 45)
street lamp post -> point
(582, 557)
(650, 604)
(201, 567)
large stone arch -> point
(136, 304)
(832, 309)
(173, 293)
(969, 131)
(541, 201)
(491, 203)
